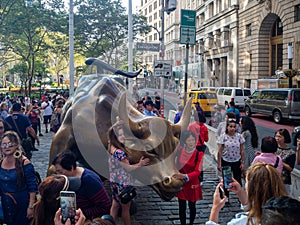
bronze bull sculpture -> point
(92, 110)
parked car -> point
(236, 94)
(207, 100)
(280, 103)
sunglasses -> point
(8, 145)
(231, 120)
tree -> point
(25, 27)
(101, 28)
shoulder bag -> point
(127, 194)
(25, 142)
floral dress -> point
(119, 178)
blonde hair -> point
(263, 183)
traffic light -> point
(170, 6)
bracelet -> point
(30, 206)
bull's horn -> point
(123, 114)
(186, 115)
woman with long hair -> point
(48, 201)
(231, 151)
(249, 133)
(288, 156)
(263, 182)
(119, 168)
(47, 208)
(18, 184)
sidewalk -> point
(151, 210)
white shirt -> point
(48, 110)
(240, 219)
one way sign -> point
(187, 35)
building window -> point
(297, 13)
(155, 37)
(249, 30)
(155, 16)
(150, 19)
(250, 61)
(150, 8)
(155, 5)
(211, 9)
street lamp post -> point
(162, 56)
(39, 76)
(290, 57)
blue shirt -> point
(22, 123)
(149, 113)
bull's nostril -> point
(167, 180)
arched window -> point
(276, 46)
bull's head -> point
(157, 139)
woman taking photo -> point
(262, 183)
(231, 151)
(189, 161)
(18, 182)
(119, 169)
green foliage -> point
(34, 34)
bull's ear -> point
(186, 115)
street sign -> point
(188, 35)
(153, 47)
(188, 18)
(162, 68)
(188, 27)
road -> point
(264, 124)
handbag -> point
(127, 194)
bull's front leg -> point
(63, 140)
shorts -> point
(47, 119)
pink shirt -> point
(269, 158)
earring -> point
(17, 154)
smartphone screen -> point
(227, 176)
(68, 206)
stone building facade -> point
(266, 28)
(237, 41)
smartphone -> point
(68, 206)
(222, 192)
(227, 176)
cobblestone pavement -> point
(151, 210)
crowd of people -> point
(261, 178)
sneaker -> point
(41, 135)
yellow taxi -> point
(207, 100)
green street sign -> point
(187, 35)
(188, 18)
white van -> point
(236, 94)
